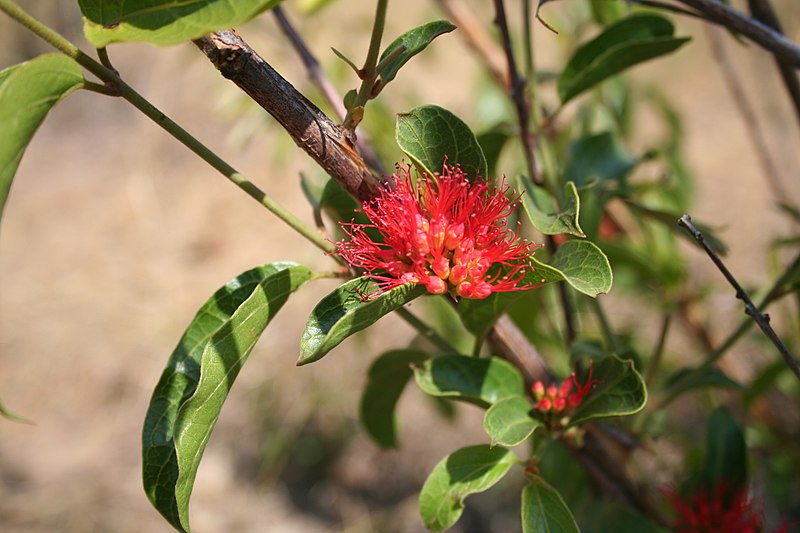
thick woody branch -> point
(310, 128)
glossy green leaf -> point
(163, 22)
(464, 472)
(581, 264)
(189, 396)
(543, 216)
(688, 379)
(601, 156)
(509, 422)
(386, 380)
(429, 135)
(726, 452)
(483, 381)
(630, 41)
(27, 93)
(348, 310)
(415, 41)
(544, 510)
(620, 391)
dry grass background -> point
(114, 234)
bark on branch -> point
(310, 128)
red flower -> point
(560, 399)
(715, 511)
(443, 232)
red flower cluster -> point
(716, 511)
(444, 232)
(558, 399)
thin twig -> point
(325, 86)
(768, 167)
(763, 12)
(751, 310)
(658, 351)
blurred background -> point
(114, 234)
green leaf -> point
(429, 135)
(386, 380)
(509, 422)
(544, 510)
(620, 391)
(27, 93)
(163, 22)
(600, 156)
(630, 41)
(415, 41)
(600, 516)
(464, 472)
(726, 452)
(544, 218)
(7, 413)
(688, 379)
(483, 381)
(189, 396)
(579, 263)
(347, 310)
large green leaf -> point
(415, 41)
(466, 471)
(630, 41)
(348, 310)
(620, 391)
(189, 396)
(543, 216)
(163, 22)
(478, 380)
(27, 93)
(544, 510)
(509, 422)
(581, 264)
(386, 380)
(429, 135)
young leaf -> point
(163, 22)
(386, 380)
(544, 218)
(466, 471)
(27, 93)
(579, 263)
(477, 380)
(189, 396)
(620, 391)
(346, 311)
(630, 41)
(509, 422)
(544, 511)
(415, 41)
(429, 135)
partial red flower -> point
(445, 232)
(715, 511)
(563, 398)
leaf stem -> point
(426, 331)
(149, 110)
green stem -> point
(368, 72)
(139, 102)
(611, 340)
(426, 331)
(655, 360)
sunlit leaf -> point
(348, 310)
(429, 135)
(462, 473)
(620, 391)
(630, 41)
(386, 380)
(189, 396)
(163, 22)
(543, 216)
(581, 264)
(27, 93)
(415, 41)
(509, 422)
(479, 380)
(544, 510)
